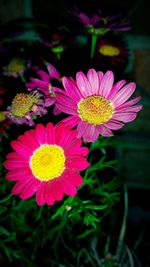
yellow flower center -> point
(2, 116)
(22, 103)
(47, 162)
(95, 109)
(109, 50)
(16, 65)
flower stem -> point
(94, 41)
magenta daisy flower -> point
(46, 161)
(24, 106)
(99, 24)
(96, 105)
(44, 83)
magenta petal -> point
(21, 149)
(36, 83)
(68, 188)
(94, 81)
(15, 164)
(83, 84)
(15, 174)
(40, 133)
(72, 121)
(71, 89)
(57, 189)
(44, 76)
(65, 109)
(48, 195)
(29, 189)
(84, 19)
(18, 187)
(75, 179)
(106, 84)
(66, 101)
(40, 200)
(49, 134)
(77, 163)
(53, 72)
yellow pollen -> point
(95, 109)
(47, 162)
(109, 50)
(16, 65)
(50, 89)
(22, 103)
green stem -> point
(94, 41)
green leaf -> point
(86, 233)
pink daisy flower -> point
(96, 105)
(46, 162)
(44, 83)
(24, 107)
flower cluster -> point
(47, 159)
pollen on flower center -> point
(109, 50)
(47, 162)
(95, 109)
(22, 103)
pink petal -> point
(105, 131)
(106, 84)
(100, 77)
(91, 134)
(94, 81)
(131, 102)
(83, 84)
(123, 94)
(117, 86)
(124, 117)
(129, 109)
(113, 125)
(81, 128)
